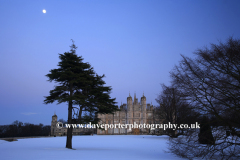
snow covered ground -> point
(97, 147)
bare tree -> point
(211, 85)
(174, 109)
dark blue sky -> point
(134, 43)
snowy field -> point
(97, 147)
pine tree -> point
(79, 85)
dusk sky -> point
(135, 43)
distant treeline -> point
(18, 129)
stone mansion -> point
(133, 111)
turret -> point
(135, 99)
(143, 102)
(53, 124)
(148, 107)
(121, 107)
(151, 108)
(129, 102)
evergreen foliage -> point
(80, 87)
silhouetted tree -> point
(174, 109)
(78, 85)
(210, 82)
(17, 129)
(96, 100)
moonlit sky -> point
(135, 43)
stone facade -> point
(133, 111)
(63, 131)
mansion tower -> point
(133, 111)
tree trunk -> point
(69, 130)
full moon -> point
(44, 11)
